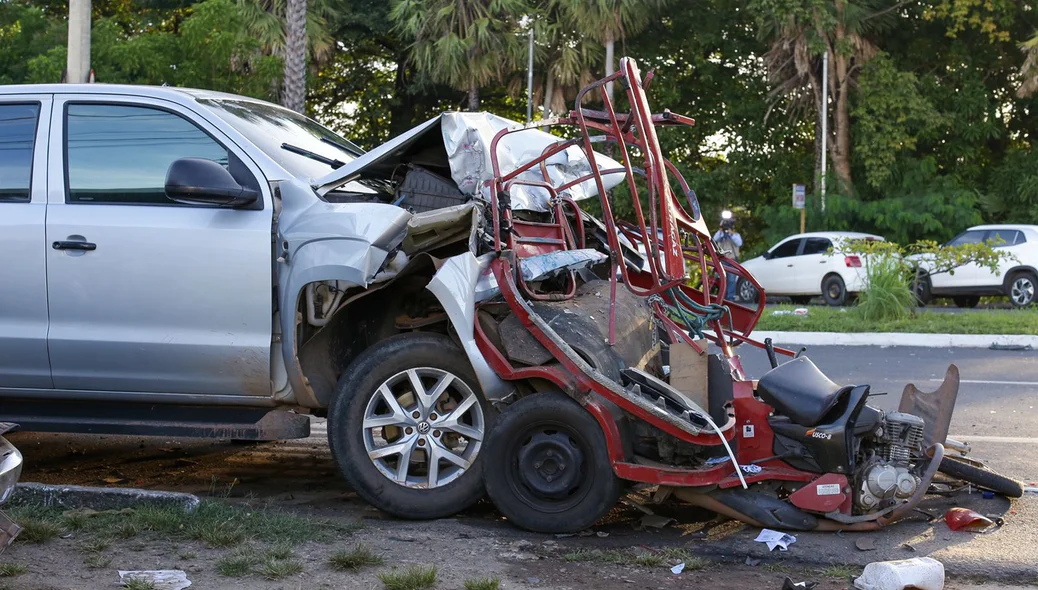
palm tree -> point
(290, 29)
(465, 44)
(609, 21)
(800, 34)
(568, 58)
(1029, 69)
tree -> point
(465, 44)
(800, 32)
(291, 30)
(609, 21)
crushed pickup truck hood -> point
(464, 140)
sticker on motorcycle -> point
(828, 489)
(747, 430)
(820, 435)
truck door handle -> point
(74, 245)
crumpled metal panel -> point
(934, 408)
(467, 138)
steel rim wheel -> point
(835, 291)
(1022, 292)
(550, 469)
(423, 428)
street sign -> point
(799, 196)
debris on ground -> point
(789, 584)
(678, 568)
(922, 573)
(775, 539)
(865, 544)
(966, 519)
(160, 579)
(655, 521)
(752, 562)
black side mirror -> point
(197, 181)
(767, 256)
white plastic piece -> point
(775, 539)
(924, 573)
(160, 579)
(678, 568)
(738, 470)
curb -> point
(1011, 341)
(73, 497)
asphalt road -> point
(995, 414)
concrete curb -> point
(73, 497)
(899, 339)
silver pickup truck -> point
(189, 263)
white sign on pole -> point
(799, 196)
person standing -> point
(728, 242)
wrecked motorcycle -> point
(615, 383)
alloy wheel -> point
(1022, 291)
(423, 428)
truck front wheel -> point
(407, 427)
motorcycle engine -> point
(886, 473)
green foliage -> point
(414, 577)
(891, 113)
(833, 319)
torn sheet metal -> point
(454, 285)
(467, 138)
(543, 266)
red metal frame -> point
(660, 230)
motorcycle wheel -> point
(550, 470)
(981, 477)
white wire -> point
(738, 469)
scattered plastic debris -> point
(751, 469)
(1031, 490)
(964, 518)
(987, 495)
(775, 539)
(865, 544)
(923, 573)
(655, 521)
(789, 584)
(678, 568)
(160, 579)
(752, 562)
(801, 311)
(717, 460)
(601, 534)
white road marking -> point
(994, 439)
(982, 382)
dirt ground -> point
(300, 478)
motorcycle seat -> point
(797, 389)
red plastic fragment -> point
(964, 518)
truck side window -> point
(17, 139)
(119, 154)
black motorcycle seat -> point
(799, 390)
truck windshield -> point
(271, 128)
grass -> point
(354, 559)
(216, 524)
(849, 319)
(10, 569)
(778, 568)
(139, 584)
(278, 569)
(238, 563)
(97, 560)
(414, 577)
(483, 584)
(841, 572)
(669, 556)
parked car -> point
(799, 267)
(1016, 277)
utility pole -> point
(825, 118)
(529, 80)
(77, 68)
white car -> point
(799, 267)
(1017, 277)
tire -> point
(1023, 288)
(834, 291)
(966, 301)
(533, 443)
(361, 422)
(746, 291)
(981, 477)
(924, 290)
(800, 299)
